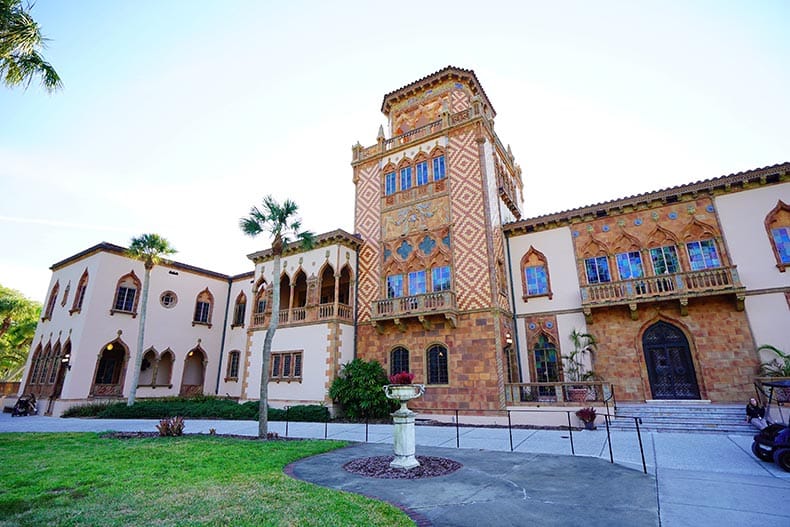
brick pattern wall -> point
(720, 339)
(368, 224)
(473, 379)
(471, 266)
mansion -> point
(445, 278)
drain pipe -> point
(356, 300)
(224, 333)
(513, 302)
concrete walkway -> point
(693, 479)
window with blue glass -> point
(703, 255)
(440, 279)
(390, 183)
(597, 270)
(537, 280)
(422, 173)
(438, 168)
(405, 178)
(629, 265)
(395, 286)
(665, 260)
(781, 237)
(416, 283)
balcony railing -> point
(442, 302)
(691, 283)
(580, 393)
(299, 315)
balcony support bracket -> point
(400, 325)
(451, 318)
(684, 306)
(588, 315)
(379, 327)
(739, 300)
(425, 323)
(633, 309)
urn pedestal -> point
(403, 419)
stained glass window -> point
(438, 168)
(390, 183)
(781, 236)
(703, 255)
(405, 178)
(416, 283)
(395, 286)
(597, 270)
(537, 280)
(440, 278)
(422, 173)
(629, 265)
(665, 260)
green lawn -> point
(83, 479)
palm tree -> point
(281, 223)
(149, 248)
(20, 42)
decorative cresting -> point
(669, 364)
(403, 419)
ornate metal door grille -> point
(669, 365)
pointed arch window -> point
(53, 297)
(126, 295)
(240, 310)
(79, 296)
(777, 224)
(204, 305)
(437, 365)
(234, 358)
(703, 255)
(665, 260)
(438, 168)
(597, 270)
(535, 278)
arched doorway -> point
(194, 373)
(669, 365)
(110, 370)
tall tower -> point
(430, 203)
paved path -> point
(693, 479)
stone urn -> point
(403, 419)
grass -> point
(83, 479)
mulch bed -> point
(379, 467)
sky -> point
(176, 117)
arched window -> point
(547, 366)
(164, 369)
(53, 369)
(203, 307)
(240, 310)
(399, 360)
(777, 224)
(233, 366)
(535, 279)
(344, 295)
(112, 361)
(35, 365)
(79, 296)
(126, 294)
(148, 368)
(327, 286)
(438, 167)
(437, 365)
(300, 289)
(53, 297)
(42, 374)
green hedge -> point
(195, 408)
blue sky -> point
(177, 116)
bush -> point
(204, 407)
(358, 390)
(171, 427)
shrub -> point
(171, 427)
(358, 390)
(307, 413)
(586, 414)
(86, 410)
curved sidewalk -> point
(700, 479)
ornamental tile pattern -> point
(367, 224)
(472, 283)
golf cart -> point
(773, 442)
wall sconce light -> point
(508, 338)
(65, 361)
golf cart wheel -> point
(763, 455)
(782, 458)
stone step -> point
(683, 416)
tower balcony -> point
(306, 315)
(678, 286)
(424, 307)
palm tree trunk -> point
(263, 404)
(138, 358)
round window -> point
(168, 299)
